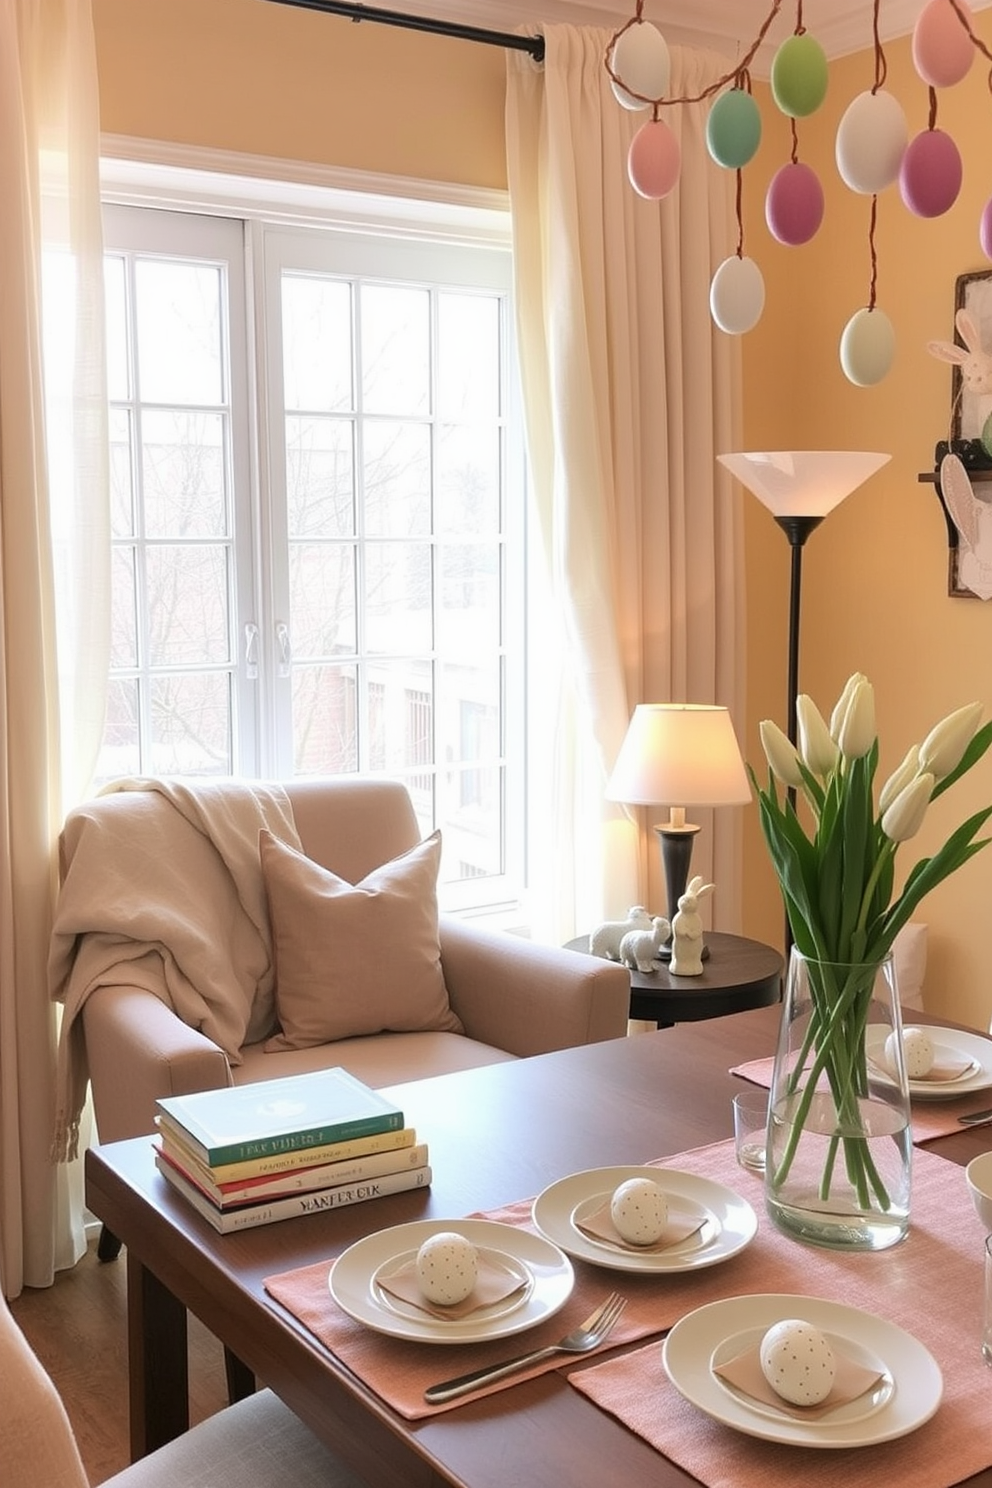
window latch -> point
(284, 648)
(251, 651)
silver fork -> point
(586, 1336)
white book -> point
(295, 1204)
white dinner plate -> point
(728, 1221)
(547, 1274)
(951, 1043)
(688, 1355)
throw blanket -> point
(163, 890)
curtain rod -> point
(356, 12)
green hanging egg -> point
(987, 435)
(799, 76)
(733, 129)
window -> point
(318, 517)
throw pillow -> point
(353, 959)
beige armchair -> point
(163, 916)
(258, 1443)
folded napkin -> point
(399, 1370)
(681, 1223)
(931, 1119)
(494, 1283)
(930, 1284)
(851, 1380)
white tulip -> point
(944, 745)
(841, 705)
(905, 816)
(900, 778)
(857, 727)
(781, 754)
(818, 749)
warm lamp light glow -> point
(803, 483)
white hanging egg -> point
(737, 295)
(641, 58)
(798, 1362)
(871, 141)
(867, 347)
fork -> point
(588, 1335)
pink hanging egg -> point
(794, 204)
(654, 160)
(942, 49)
(930, 174)
(985, 229)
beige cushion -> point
(909, 952)
(353, 959)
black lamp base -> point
(676, 855)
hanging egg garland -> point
(942, 48)
(654, 160)
(930, 174)
(794, 204)
(985, 229)
(641, 58)
(737, 295)
(733, 129)
(867, 347)
(799, 75)
(871, 140)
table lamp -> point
(679, 755)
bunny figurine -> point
(687, 930)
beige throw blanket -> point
(162, 889)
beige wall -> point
(271, 80)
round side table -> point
(738, 974)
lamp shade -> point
(683, 754)
(803, 483)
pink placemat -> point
(930, 1284)
(931, 1119)
(399, 1371)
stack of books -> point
(252, 1154)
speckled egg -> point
(917, 1049)
(639, 1209)
(447, 1268)
(798, 1362)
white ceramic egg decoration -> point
(918, 1052)
(447, 1268)
(737, 295)
(798, 1362)
(641, 57)
(867, 347)
(639, 1209)
(871, 141)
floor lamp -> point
(679, 755)
(800, 488)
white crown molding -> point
(728, 26)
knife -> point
(977, 1118)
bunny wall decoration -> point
(687, 930)
(970, 515)
(975, 363)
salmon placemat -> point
(930, 1284)
(931, 1119)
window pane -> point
(187, 605)
(121, 474)
(123, 608)
(396, 363)
(182, 462)
(398, 598)
(468, 621)
(317, 351)
(179, 325)
(320, 477)
(191, 724)
(322, 590)
(468, 357)
(118, 359)
(397, 479)
(325, 733)
(120, 753)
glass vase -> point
(839, 1155)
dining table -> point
(498, 1138)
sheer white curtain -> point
(629, 393)
(51, 316)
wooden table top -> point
(496, 1135)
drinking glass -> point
(750, 1122)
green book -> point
(271, 1116)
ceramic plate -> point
(547, 1275)
(849, 1412)
(917, 1385)
(728, 1221)
(951, 1043)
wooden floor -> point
(78, 1330)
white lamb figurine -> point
(687, 930)
(639, 948)
(605, 939)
